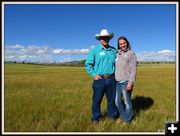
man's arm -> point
(89, 64)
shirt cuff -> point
(131, 82)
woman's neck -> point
(124, 50)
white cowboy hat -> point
(104, 33)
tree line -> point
(82, 63)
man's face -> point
(104, 41)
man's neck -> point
(106, 46)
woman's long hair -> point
(123, 38)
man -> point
(100, 64)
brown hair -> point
(125, 39)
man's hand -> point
(97, 77)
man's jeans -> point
(100, 87)
(126, 112)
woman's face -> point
(122, 44)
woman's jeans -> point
(100, 87)
(125, 109)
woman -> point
(125, 75)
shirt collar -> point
(101, 47)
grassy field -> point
(41, 98)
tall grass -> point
(41, 98)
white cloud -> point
(70, 52)
(57, 51)
(165, 52)
(17, 46)
(9, 52)
(9, 58)
(43, 54)
(163, 55)
(92, 46)
(22, 51)
(84, 51)
(22, 57)
(40, 54)
(27, 53)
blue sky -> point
(65, 32)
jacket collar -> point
(120, 52)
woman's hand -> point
(129, 86)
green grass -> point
(41, 98)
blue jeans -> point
(126, 112)
(100, 87)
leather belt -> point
(107, 76)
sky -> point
(56, 33)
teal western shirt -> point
(101, 61)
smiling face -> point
(122, 44)
(105, 41)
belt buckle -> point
(106, 76)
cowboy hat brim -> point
(98, 36)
